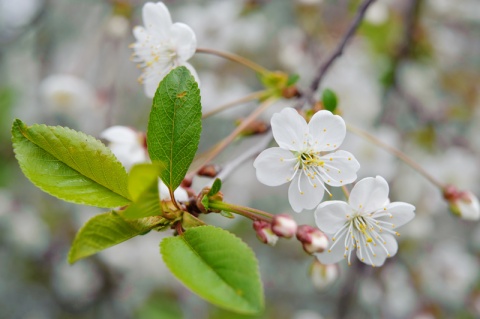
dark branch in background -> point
(404, 51)
(308, 96)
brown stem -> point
(250, 97)
(226, 141)
(337, 52)
(235, 58)
(397, 153)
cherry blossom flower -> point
(127, 145)
(161, 46)
(306, 157)
(366, 223)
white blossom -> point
(67, 94)
(366, 223)
(306, 157)
(127, 145)
(161, 45)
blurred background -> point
(410, 77)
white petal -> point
(156, 19)
(120, 134)
(153, 78)
(303, 195)
(396, 213)
(180, 194)
(184, 40)
(140, 33)
(332, 215)
(469, 206)
(369, 195)
(289, 129)
(327, 130)
(129, 155)
(274, 166)
(340, 168)
(382, 251)
(335, 254)
(163, 191)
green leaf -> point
(175, 125)
(329, 99)
(143, 187)
(217, 185)
(141, 177)
(217, 266)
(106, 230)
(292, 79)
(205, 202)
(70, 165)
(147, 204)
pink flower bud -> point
(323, 276)
(264, 232)
(284, 226)
(464, 204)
(312, 239)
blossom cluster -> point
(308, 158)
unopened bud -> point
(265, 233)
(209, 170)
(312, 239)
(323, 276)
(284, 226)
(464, 204)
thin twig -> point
(397, 153)
(253, 96)
(236, 58)
(338, 51)
(226, 141)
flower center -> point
(308, 165)
(363, 232)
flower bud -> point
(323, 276)
(464, 204)
(264, 232)
(312, 239)
(284, 226)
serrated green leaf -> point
(107, 230)
(70, 165)
(216, 186)
(329, 99)
(217, 266)
(175, 125)
(141, 177)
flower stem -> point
(251, 213)
(397, 153)
(226, 141)
(235, 58)
(345, 192)
(253, 96)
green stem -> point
(248, 98)
(397, 153)
(235, 58)
(251, 213)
